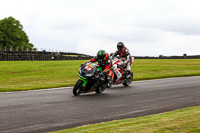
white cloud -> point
(148, 28)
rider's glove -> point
(112, 57)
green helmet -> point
(101, 55)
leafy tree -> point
(12, 34)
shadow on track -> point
(115, 87)
(107, 93)
(92, 94)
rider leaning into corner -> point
(105, 63)
(124, 53)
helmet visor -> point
(100, 59)
(119, 47)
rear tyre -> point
(77, 88)
(101, 89)
(129, 79)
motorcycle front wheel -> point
(77, 88)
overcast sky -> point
(147, 27)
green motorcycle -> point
(91, 79)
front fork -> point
(83, 79)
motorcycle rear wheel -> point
(100, 89)
(129, 79)
(77, 88)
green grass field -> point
(179, 121)
(29, 75)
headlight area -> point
(88, 75)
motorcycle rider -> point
(105, 63)
(124, 53)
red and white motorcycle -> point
(120, 75)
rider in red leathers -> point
(124, 53)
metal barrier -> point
(34, 56)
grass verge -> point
(30, 75)
(179, 121)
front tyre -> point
(129, 79)
(77, 88)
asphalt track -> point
(56, 109)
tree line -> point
(12, 35)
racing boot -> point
(109, 81)
(128, 73)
